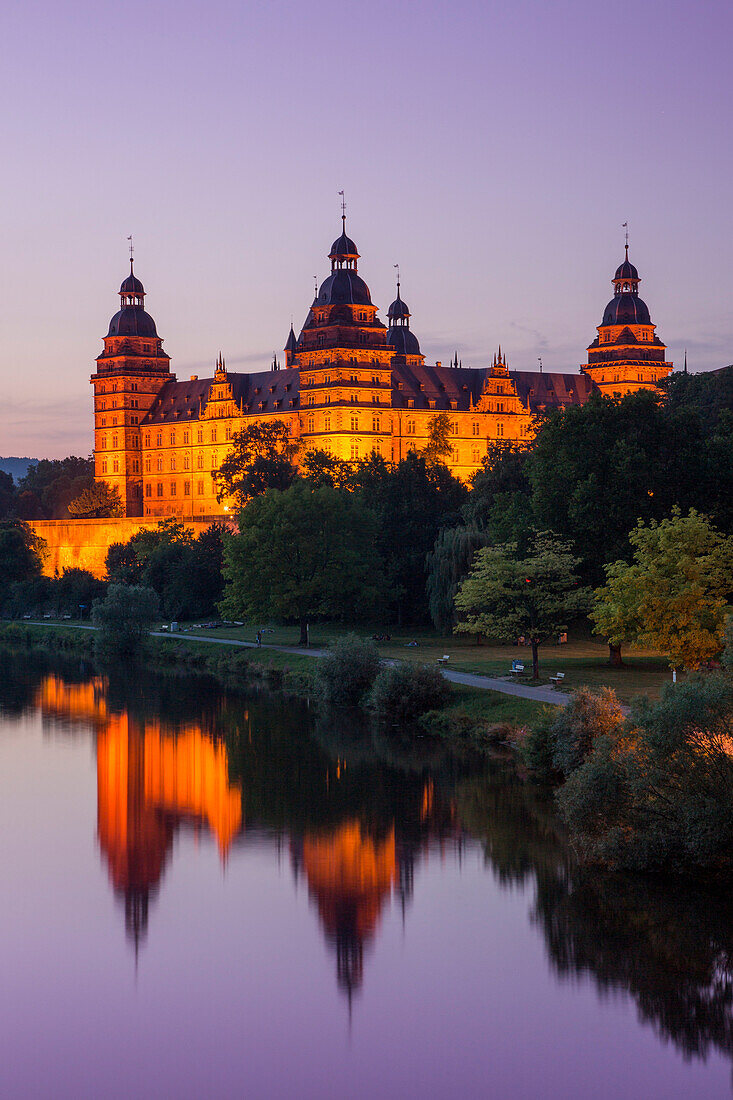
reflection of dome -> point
(132, 321)
(626, 309)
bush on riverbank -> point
(562, 739)
(347, 672)
(404, 692)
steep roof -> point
(263, 392)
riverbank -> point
(480, 709)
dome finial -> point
(626, 227)
(398, 278)
(343, 211)
(132, 249)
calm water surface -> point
(211, 896)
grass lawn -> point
(493, 706)
(583, 659)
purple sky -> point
(492, 150)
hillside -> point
(16, 467)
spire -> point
(685, 360)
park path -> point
(469, 679)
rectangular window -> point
(160, 465)
(500, 430)
(475, 455)
(187, 489)
(186, 436)
(173, 462)
(148, 490)
(159, 439)
(376, 426)
(115, 467)
(160, 489)
(173, 488)
(186, 462)
(476, 428)
(200, 488)
(200, 435)
(104, 467)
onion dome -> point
(399, 310)
(131, 319)
(344, 252)
(626, 307)
(399, 337)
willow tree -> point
(448, 563)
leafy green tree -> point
(321, 468)
(448, 563)
(99, 501)
(301, 554)
(22, 552)
(186, 572)
(674, 595)
(500, 500)
(51, 484)
(438, 446)
(404, 692)
(506, 596)
(261, 457)
(8, 495)
(74, 592)
(412, 502)
(124, 617)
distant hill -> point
(17, 467)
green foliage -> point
(448, 563)
(347, 672)
(500, 499)
(405, 691)
(577, 726)
(261, 457)
(49, 486)
(673, 597)
(658, 794)
(411, 502)
(186, 572)
(99, 501)
(321, 468)
(302, 554)
(8, 495)
(22, 553)
(124, 617)
(506, 596)
(438, 446)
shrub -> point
(347, 672)
(404, 692)
(586, 717)
(124, 617)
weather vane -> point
(343, 207)
(626, 227)
(132, 248)
(398, 274)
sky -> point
(492, 150)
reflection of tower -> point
(350, 874)
(150, 780)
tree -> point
(124, 617)
(448, 563)
(186, 572)
(347, 671)
(500, 500)
(8, 495)
(261, 457)
(22, 552)
(439, 445)
(673, 597)
(301, 554)
(99, 501)
(75, 591)
(506, 596)
(50, 484)
(321, 468)
(412, 502)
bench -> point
(444, 659)
(557, 678)
(517, 668)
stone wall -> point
(83, 543)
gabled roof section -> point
(263, 392)
(551, 390)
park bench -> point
(444, 659)
(557, 679)
(517, 668)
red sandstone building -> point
(350, 385)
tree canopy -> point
(674, 595)
(506, 596)
(261, 457)
(302, 554)
(99, 501)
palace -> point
(350, 385)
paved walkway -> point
(470, 679)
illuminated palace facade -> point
(350, 386)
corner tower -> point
(405, 345)
(627, 354)
(130, 373)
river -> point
(210, 895)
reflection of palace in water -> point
(154, 778)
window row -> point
(173, 489)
